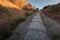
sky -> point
(41, 3)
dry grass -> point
(53, 11)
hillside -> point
(19, 3)
(11, 15)
(53, 11)
(8, 4)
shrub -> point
(6, 34)
(37, 9)
(2, 8)
(55, 8)
(14, 24)
(27, 7)
(5, 10)
(9, 13)
(27, 14)
(46, 7)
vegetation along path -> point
(36, 30)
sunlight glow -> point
(13, 4)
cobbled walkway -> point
(36, 30)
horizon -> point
(41, 3)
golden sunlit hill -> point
(13, 3)
(19, 3)
(8, 4)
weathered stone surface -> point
(36, 30)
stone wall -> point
(53, 28)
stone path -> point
(36, 30)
